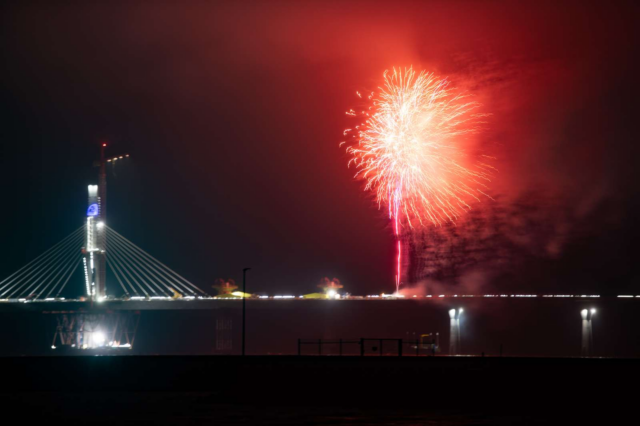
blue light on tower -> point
(93, 210)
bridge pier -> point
(104, 330)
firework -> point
(410, 150)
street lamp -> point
(454, 331)
(587, 331)
(244, 293)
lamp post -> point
(244, 292)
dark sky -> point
(233, 113)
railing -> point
(368, 347)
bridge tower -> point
(95, 240)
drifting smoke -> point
(223, 286)
(491, 244)
(327, 283)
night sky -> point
(233, 112)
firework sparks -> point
(410, 152)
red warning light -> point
(104, 144)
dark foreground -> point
(320, 390)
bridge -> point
(93, 320)
(121, 279)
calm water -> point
(158, 408)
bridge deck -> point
(279, 302)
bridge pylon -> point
(95, 261)
(94, 249)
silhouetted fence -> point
(366, 347)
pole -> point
(244, 308)
(102, 184)
(101, 271)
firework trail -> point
(410, 151)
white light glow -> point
(98, 338)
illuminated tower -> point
(94, 250)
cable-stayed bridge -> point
(118, 277)
(107, 314)
(96, 249)
(136, 273)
